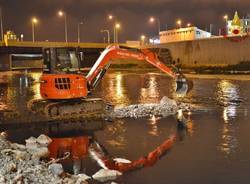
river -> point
(215, 149)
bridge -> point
(24, 55)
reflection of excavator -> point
(66, 90)
(83, 146)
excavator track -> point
(91, 108)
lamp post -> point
(116, 28)
(111, 18)
(34, 21)
(143, 37)
(108, 34)
(225, 17)
(79, 32)
(153, 19)
(61, 14)
(1, 23)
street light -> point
(116, 28)
(79, 32)
(143, 37)
(106, 31)
(179, 22)
(111, 18)
(61, 14)
(225, 17)
(153, 19)
(34, 21)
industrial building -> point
(183, 34)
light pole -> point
(106, 31)
(111, 18)
(153, 19)
(34, 21)
(1, 23)
(143, 37)
(79, 32)
(225, 17)
(116, 28)
(61, 14)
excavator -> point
(66, 91)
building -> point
(238, 26)
(183, 34)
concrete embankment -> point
(218, 51)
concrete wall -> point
(210, 52)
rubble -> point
(104, 175)
(165, 108)
(56, 169)
(22, 164)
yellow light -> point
(225, 17)
(143, 37)
(117, 26)
(152, 19)
(60, 13)
(188, 25)
(34, 20)
(179, 22)
(110, 17)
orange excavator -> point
(65, 90)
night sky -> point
(133, 15)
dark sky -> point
(133, 15)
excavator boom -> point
(115, 52)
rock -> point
(42, 152)
(2, 179)
(166, 107)
(56, 169)
(44, 140)
(11, 167)
(18, 178)
(122, 160)
(31, 140)
(31, 144)
(20, 155)
(104, 175)
(18, 146)
(82, 178)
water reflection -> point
(77, 147)
(116, 91)
(229, 98)
(151, 92)
(153, 122)
(116, 134)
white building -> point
(182, 34)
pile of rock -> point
(22, 164)
(165, 108)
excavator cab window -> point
(61, 60)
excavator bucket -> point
(183, 85)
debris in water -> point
(104, 175)
(165, 108)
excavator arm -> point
(115, 52)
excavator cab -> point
(61, 60)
